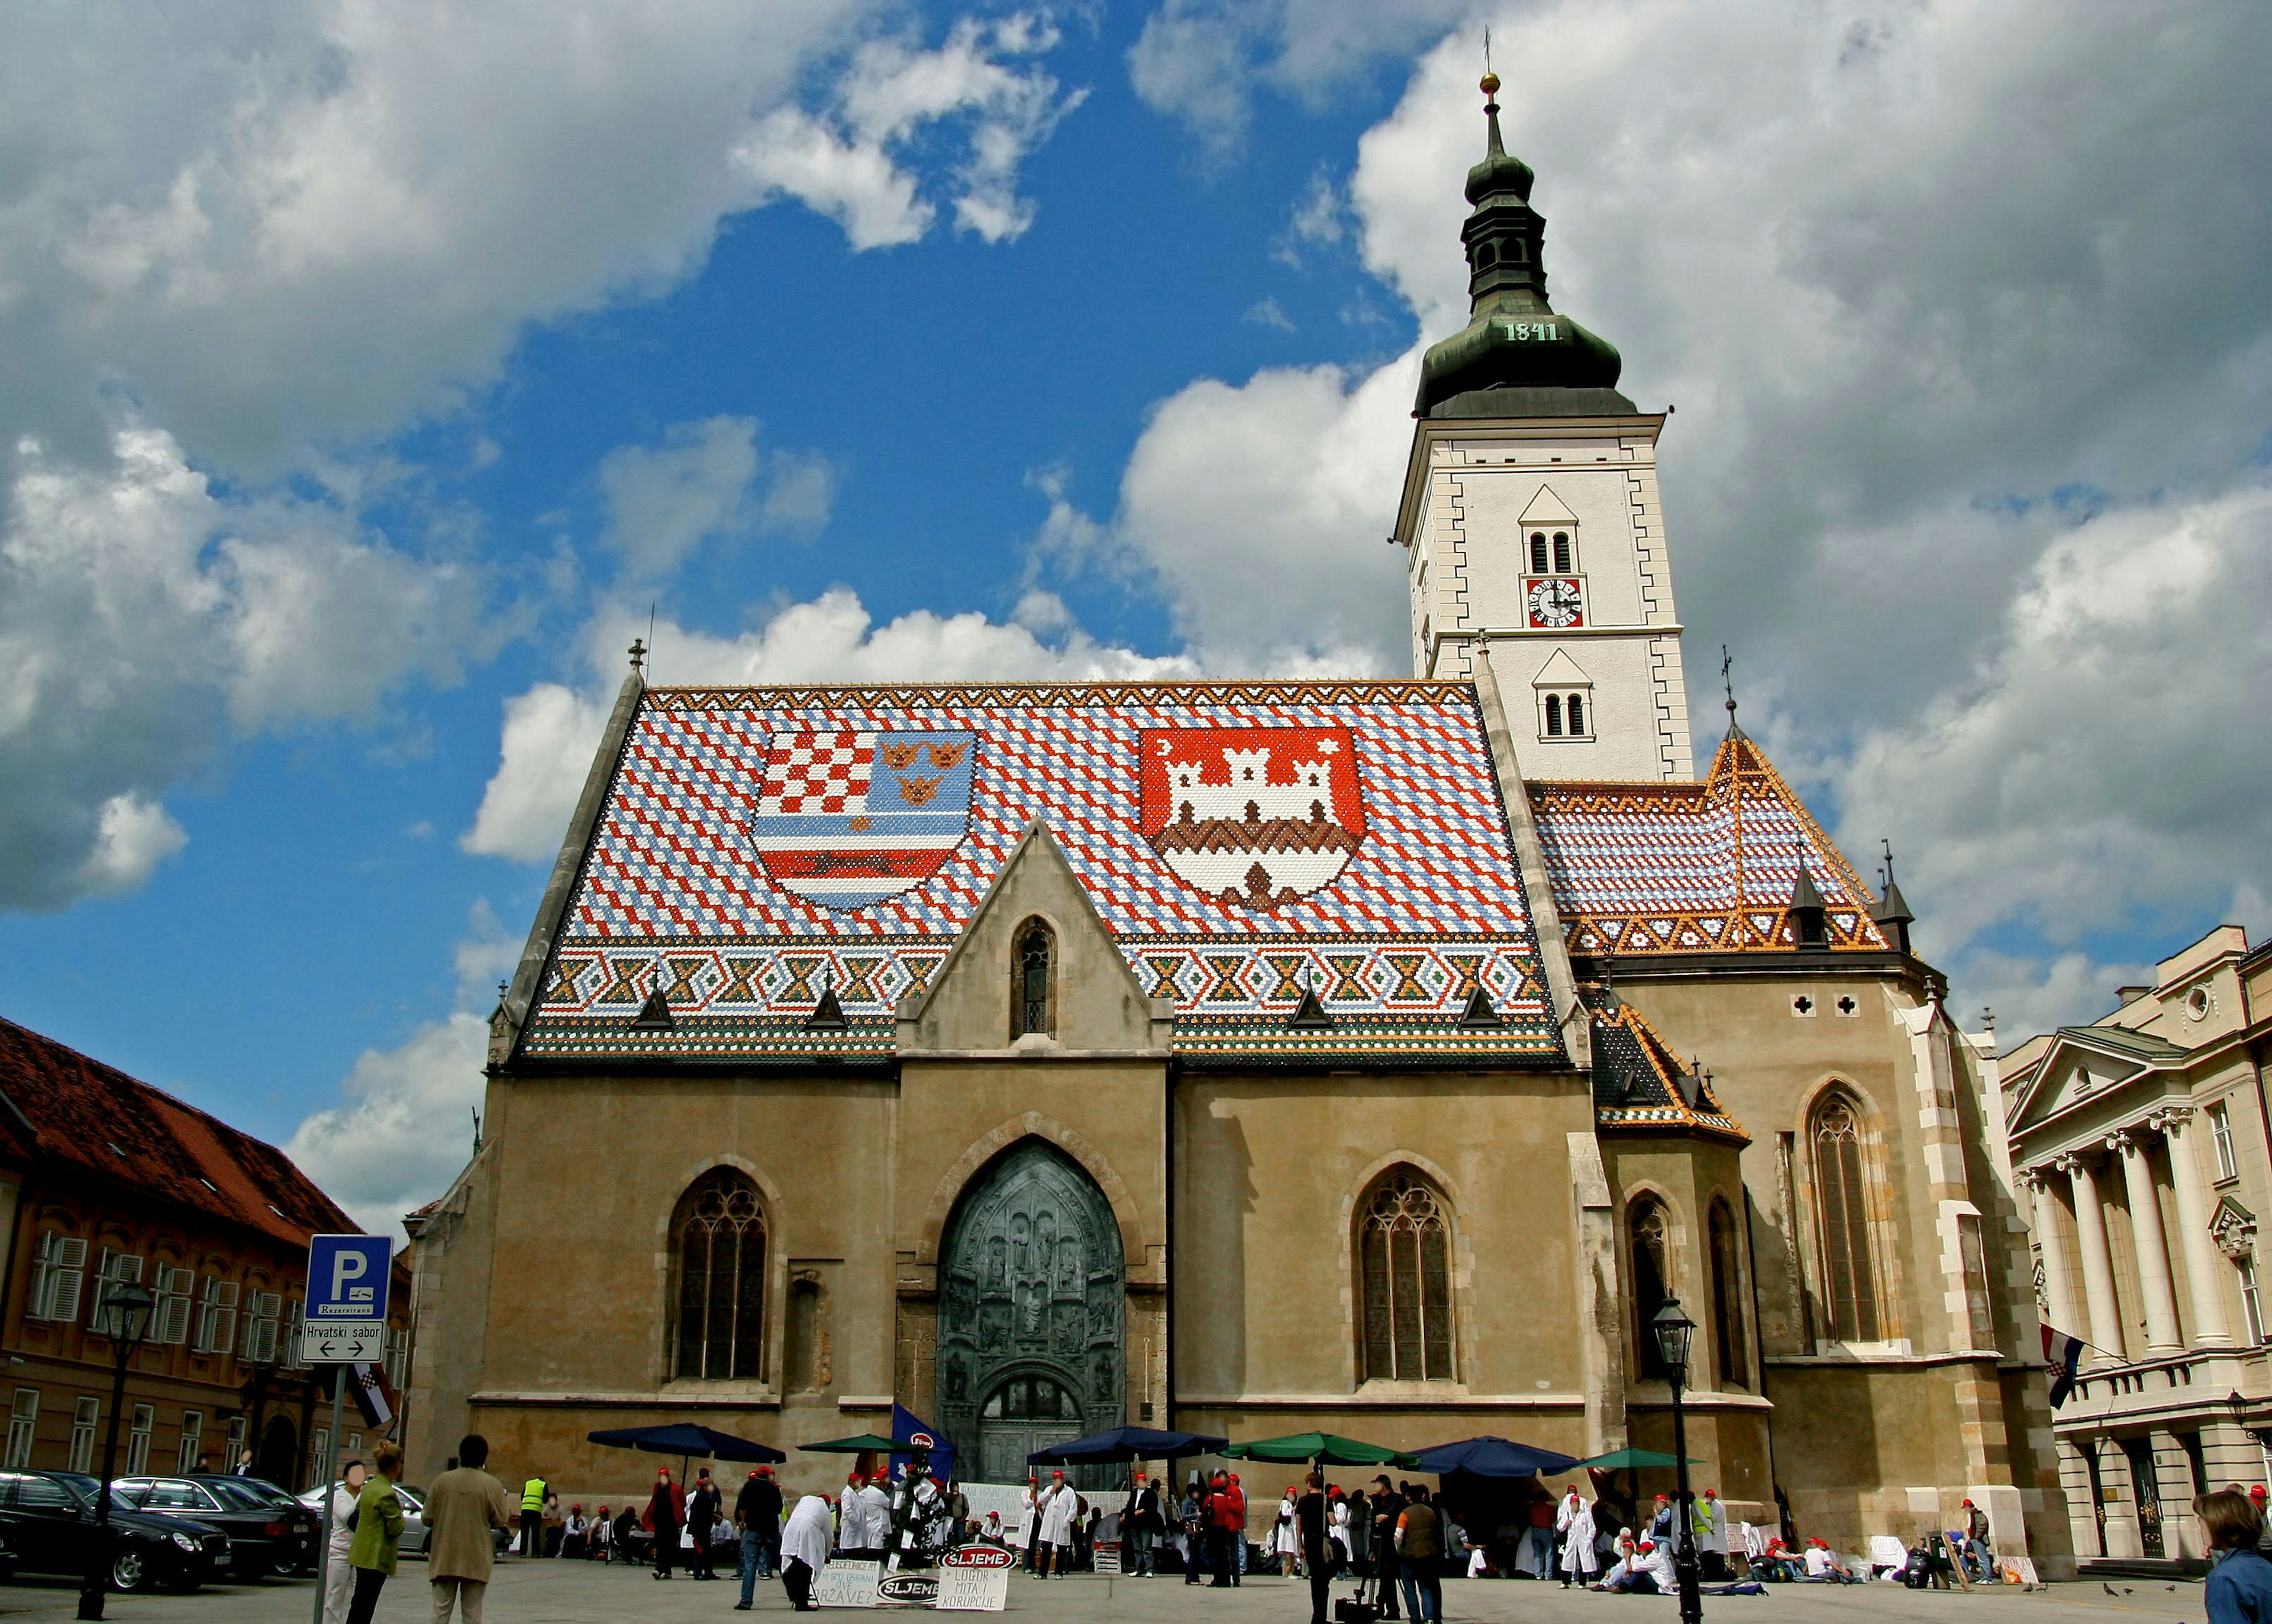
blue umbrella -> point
(685, 1440)
(1490, 1457)
(1124, 1443)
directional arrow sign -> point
(360, 1343)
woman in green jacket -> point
(378, 1530)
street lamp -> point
(1673, 1331)
(126, 1308)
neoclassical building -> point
(2141, 1141)
(1256, 1057)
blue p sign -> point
(346, 1277)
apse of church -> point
(1372, 1056)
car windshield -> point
(254, 1491)
(238, 1495)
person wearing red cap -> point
(758, 1516)
(1058, 1506)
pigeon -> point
(2126, 1591)
(2108, 1589)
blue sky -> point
(367, 378)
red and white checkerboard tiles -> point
(1429, 904)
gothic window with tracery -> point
(1404, 1250)
(1850, 1279)
(1727, 1297)
(721, 1280)
(1650, 1230)
(1032, 965)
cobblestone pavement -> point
(556, 1592)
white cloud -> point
(404, 1127)
(146, 622)
(550, 736)
(847, 163)
(702, 483)
(1268, 313)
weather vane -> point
(1727, 681)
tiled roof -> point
(1640, 1084)
(2130, 1041)
(1240, 842)
(96, 1118)
(1705, 867)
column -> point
(2097, 1268)
(2148, 1240)
(2204, 1265)
(2058, 1293)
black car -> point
(47, 1522)
(259, 1492)
(263, 1538)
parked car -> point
(415, 1536)
(263, 1538)
(46, 1520)
(261, 1492)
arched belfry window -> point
(721, 1280)
(1538, 555)
(1849, 1277)
(1033, 980)
(1727, 1297)
(1565, 560)
(1553, 715)
(1404, 1261)
(1649, 1228)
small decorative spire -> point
(1489, 87)
(639, 653)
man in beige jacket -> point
(463, 1504)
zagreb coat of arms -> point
(1253, 817)
(845, 818)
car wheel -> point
(130, 1570)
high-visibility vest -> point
(531, 1495)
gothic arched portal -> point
(1031, 1304)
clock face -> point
(1556, 603)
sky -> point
(370, 375)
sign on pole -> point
(346, 1313)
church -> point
(1251, 1058)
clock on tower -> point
(1555, 603)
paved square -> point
(559, 1592)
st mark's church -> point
(1251, 1057)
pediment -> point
(2071, 1074)
(1546, 508)
(1561, 672)
(2234, 1227)
(1098, 1003)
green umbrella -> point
(866, 1443)
(1621, 1460)
(1324, 1448)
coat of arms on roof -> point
(1253, 817)
(845, 818)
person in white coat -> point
(1712, 1536)
(338, 1578)
(1284, 1544)
(804, 1550)
(876, 1506)
(1579, 1560)
(1059, 1505)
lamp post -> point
(1673, 1331)
(128, 1307)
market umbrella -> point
(1324, 1447)
(1490, 1457)
(685, 1438)
(866, 1443)
(1124, 1443)
(1622, 1460)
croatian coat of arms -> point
(847, 819)
(1253, 817)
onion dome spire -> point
(1517, 357)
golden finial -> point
(1490, 84)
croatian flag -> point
(373, 1394)
(2065, 1353)
(845, 818)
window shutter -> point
(115, 1268)
(172, 1315)
(66, 1269)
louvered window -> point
(169, 1319)
(23, 1427)
(117, 1269)
(1404, 1258)
(137, 1440)
(262, 1312)
(58, 1277)
(217, 1316)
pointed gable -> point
(1705, 867)
(1561, 672)
(1547, 508)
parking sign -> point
(347, 1277)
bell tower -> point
(1531, 520)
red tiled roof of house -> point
(120, 1128)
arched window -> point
(1577, 715)
(1538, 552)
(1727, 1298)
(1650, 1228)
(1033, 978)
(721, 1280)
(1404, 1257)
(1563, 559)
(1849, 1281)
(1553, 715)
(1486, 256)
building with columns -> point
(2141, 1140)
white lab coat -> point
(1059, 1507)
(1657, 1564)
(806, 1535)
(1578, 1557)
(1714, 1535)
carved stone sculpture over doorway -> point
(1032, 1305)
